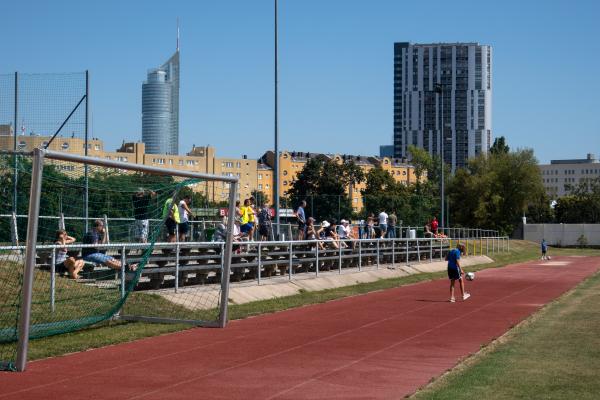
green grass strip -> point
(554, 354)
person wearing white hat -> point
(327, 232)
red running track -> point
(382, 345)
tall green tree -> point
(323, 183)
(500, 146)
(494, 191)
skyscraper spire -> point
(177, 33)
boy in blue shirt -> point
(544, 250)
(455, 272)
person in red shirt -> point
(434, 226)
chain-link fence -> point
(48, 110)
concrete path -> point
(281, 286)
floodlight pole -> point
(30, 255)
(85, 166)
(440, 90)
(276, 150)
(16, 117)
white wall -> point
(562, 234)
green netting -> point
(61, 303)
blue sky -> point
(336, 66)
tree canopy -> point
(323, 183)
(494, 191)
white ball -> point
(470, 276)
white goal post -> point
(32, 231)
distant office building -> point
(386, 150)
(6, 130)
(160, 108)
(464, 71)
(560, 174)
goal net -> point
(90, 240)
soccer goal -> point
(86, 240)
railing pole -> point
(123, 274)
(360, 255)
(430, 249)
(259, 267)
(340, 257)
(53, 280)
(407, 263)
(317, 259)
(377, 253)
(177, 248)
(290, 263)
(393, 253)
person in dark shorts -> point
(301, 217)
(455, 272)
(172, 219)
(545, 250)
(185, 213)
(264, 222)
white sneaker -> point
(452, 300)
(466, 296)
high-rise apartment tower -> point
(455, 75)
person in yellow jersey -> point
(172, 219)
(245, 225)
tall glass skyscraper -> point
(160, 108)
(464, 71)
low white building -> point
(559, 174)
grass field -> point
(555, 354)
(118, 332)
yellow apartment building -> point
(292, 162)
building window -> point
(190, 162)
(285, 183)
(180, 162)
(65, 145)
(260, 186)
(238, 165)
(259, 176)
(267, 186)
(285, 173)
(96, 147)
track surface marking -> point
(382, 345)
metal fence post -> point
(30, 254)
(123, 274)
(360, 255)
(377, 254)
(14, 231)
(418, 252)
(177, 248)
(407, 251)
(53, 280)
(441, 250)
(259, 267)
(394, 253)
(430, 249)
(340, 250)
(290, 264)
(317, 259)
